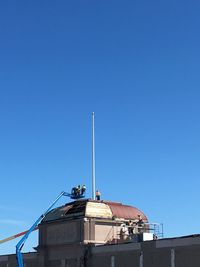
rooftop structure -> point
(89, 233)
(89, 208)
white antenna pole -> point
(93, 158)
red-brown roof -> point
(123, 211)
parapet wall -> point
(173, 252)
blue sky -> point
(136, 65)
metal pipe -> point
(15, 236)
(93, 158)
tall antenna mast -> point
(93, 158)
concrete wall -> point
(70, 244)
(30, 260)
(84, 230)
(181, 252)
(100, 231)
(61, 233)
(178, 252)
(121, 255)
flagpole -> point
(93, 158)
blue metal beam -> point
(20, 244)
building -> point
(89, 233)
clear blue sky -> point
(136, 64)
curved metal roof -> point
(94, 209)
(126, 212)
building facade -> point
(88, 233)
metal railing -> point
(156, 229)
(122, 232)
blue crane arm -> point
(20, 244)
